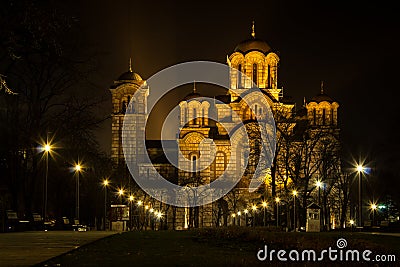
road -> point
(29, 248)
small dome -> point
(253, 44)
(191, 96)
(129, 76)
(322, 97)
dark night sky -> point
(352, 47)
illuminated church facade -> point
(255, 59)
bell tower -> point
(129, 97)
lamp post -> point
(139, 203)
(105, 184)
(78, 169)
(131, 198)
(254, 208)
(277, 200)
(47, 148)
(245, 216)
(318, 184)
(239, 213)
(373, 208)
(294, 208)
(121, 192)
(264, 204)
(360, 169)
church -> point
(253, 62)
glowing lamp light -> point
(373, 206)
(318, 184)
(360, 168)
(239, 213)
(105, 182)
(351, 222)
(233, 215)
(151, 210)
(277, 199)
(131, 198)
(47, 148)
(245, 211)
(121, 192)
(254, 207)
(264, 204)
(139, 203)
(146, 207)
(78, 167)
(294, 193)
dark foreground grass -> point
(214, 247)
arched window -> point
(195, 116)
(186, 116)
(255, 73)
(269, 77)
(123, 107)
(332, 120)
(239, 85)
(323, 116)
(314, 116)
(194, 164)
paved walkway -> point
(29, 248)
(383, 233)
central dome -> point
(253, 44)
(129, 76)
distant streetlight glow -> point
(318, 184)
(246, 211)
(294, 193)
(254, 207)
(131, 198)
(351, 222)
(277, 199)
(78, 167)
(264, 204)
(121, 191)
(139, 203)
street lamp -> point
(245, 216)
(105, 184)
(131, 198)
(319, 184)
(254, 209)
(78, 168)
(294, 192)
(360, 170)
(239, 213)
(277, 200)
(47, 149)
(373, 208)
(264, 204)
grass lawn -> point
(213, 247)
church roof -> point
(191, 96)
(253, 44)
(322, 97)
(129, 76)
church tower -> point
(126, 101)
(255, 62)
